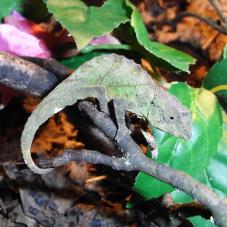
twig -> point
(25, 76)
(134, 159)
(90, 156)
(190, 209)
(95, 179)
(217, 8)
(96, 137)
(51, 65)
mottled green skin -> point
(124, 78)
(107, 77)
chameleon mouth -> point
(187, 135)
(186, 132)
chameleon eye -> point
(171, 118)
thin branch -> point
(97, 139)
(189, 209)
(51, 65)
(217, 8)
(25, 76)
(90, 156)
(100, 119)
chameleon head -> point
(170, 116)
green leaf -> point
(126, 32)
(85, 23)
(216, 79)
(174, 57)
(7, 6)
(90, 48)
(76, 61)
(198, 221)
(194, 155)
(90, 52)
(217, 170)
(215, 174)
(224, 54)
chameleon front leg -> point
(120, 106)
(102, 97)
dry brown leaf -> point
(57, 135)
(189, 29)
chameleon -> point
(109, 77)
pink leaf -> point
(17, 42)
(16, 37)
(19, 22)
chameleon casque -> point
(108, 77)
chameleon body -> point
(108, 77)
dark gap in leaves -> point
(13, 115)
(90, 198)
(94, 2)
(35, 10)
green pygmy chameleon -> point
(107, 77)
